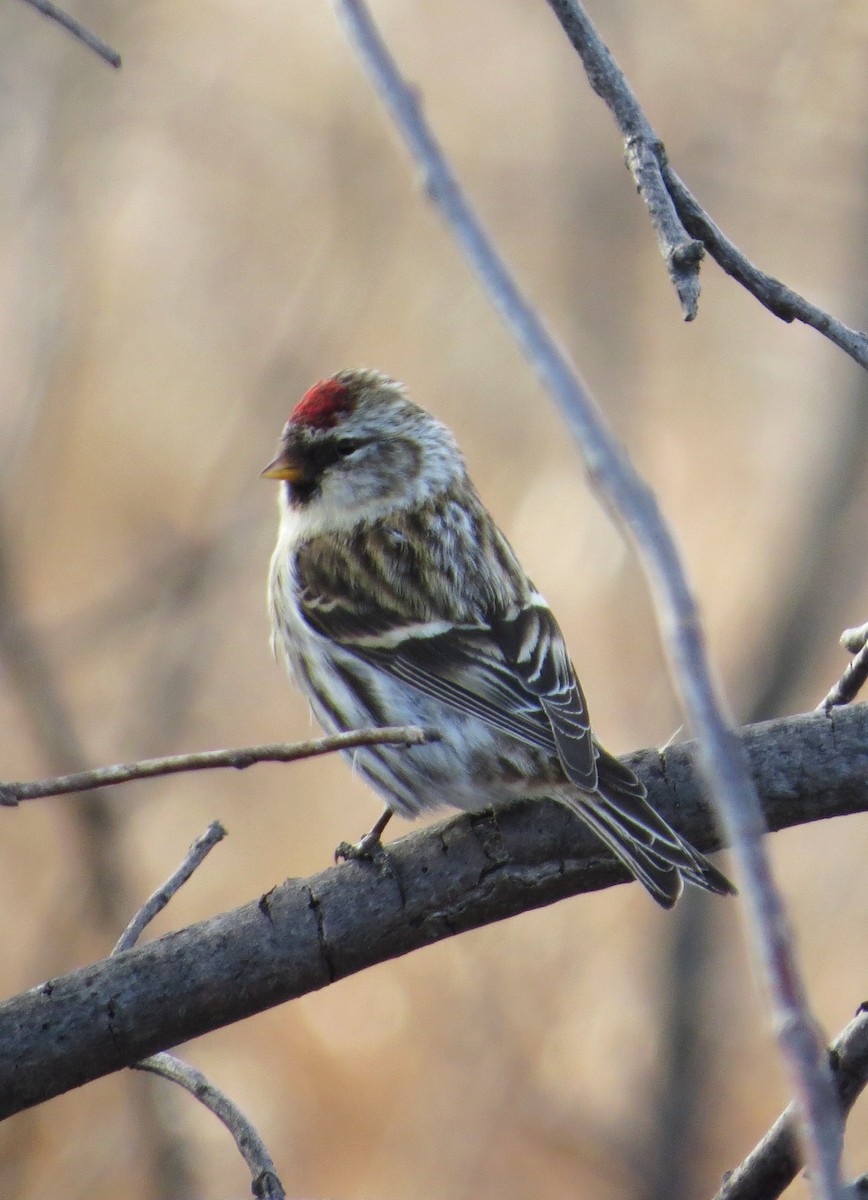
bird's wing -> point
(459, 665)
(511, 671)
(532, 643)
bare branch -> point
(855, 673)
(723, 761)
(855, 640)
(774, 1163)
(240, 758)
(644, 153)
(77, 30)
(676, 214)
(453, 876)
(779, 299)
(266, 1183)
(155, 903)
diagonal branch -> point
(454, 876)
(644, 153)
(79, 31)
(855, 673)
(776, 1161)
(676, 214)
(266, 1184)
(779, 299)
(156, 902)
(631, 500)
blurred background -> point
(188, 244)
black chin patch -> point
(300, 494)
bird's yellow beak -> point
(284, 467)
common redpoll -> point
(396, 600)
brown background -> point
(186, 246)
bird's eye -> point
(346, 446)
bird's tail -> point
(660, 858)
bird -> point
(395, 600)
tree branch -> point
(776, 1161)
(782, 301)
(155, 903)
(643, 149)
(676, 214)
(240, 758)
(103, 49)
(266, 1184)
(634, 504)
(456, 875)
(855, 673)
(265, 1181)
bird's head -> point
(356, 447)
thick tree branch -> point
(676, 214)
(457, 875)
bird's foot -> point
(369, 848)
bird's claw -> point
(370, 847)
(367, 849)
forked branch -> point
(265, 1184)
(683, 228)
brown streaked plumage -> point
(395, 599)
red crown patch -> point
(323, 405)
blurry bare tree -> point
(186, 246)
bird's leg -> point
(370, 846)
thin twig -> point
(780, 300)
(723, 759)
(855, 673)
(265, 1182)
(774, 1163)
(681, 253)
(240, 758)
(676, 214)
(103, 49)
(155, 903)
(854, 640)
